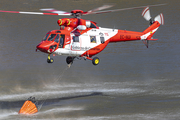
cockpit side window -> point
(51, 37)
(57, 39)
(93, 26)
(45, 37)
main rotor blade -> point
(97, 9)
(107, 11)
(56, 11)
(35, 13)
(63, 13)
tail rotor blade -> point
(160, 19)
(146, 14)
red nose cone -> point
(42, 47)
(46, 46)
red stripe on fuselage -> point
(124, 35)
(96, 50)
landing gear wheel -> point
(95, 61)
(51, 60)
(69, 60)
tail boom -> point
(124, 35)
(147, 34)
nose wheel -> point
(49, 59)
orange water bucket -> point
(28, 108)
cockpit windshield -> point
(51, 37)
(45, 37)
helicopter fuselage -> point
(89, 42)
(82, 38)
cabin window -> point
(57, 39)
(75, 38)
(93, 39)
(51, 37)
(61, 43)
(102, 40)
(93, 26)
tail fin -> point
(154, 25)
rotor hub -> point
(77, 13)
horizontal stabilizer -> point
(152, 39)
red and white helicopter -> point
(83, 38)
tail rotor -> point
(154, 25)
(147, 16)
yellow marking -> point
(49, 57)
(68, 21)
(60, 22)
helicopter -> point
(80, 38)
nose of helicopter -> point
(42, 48)
(46, 47)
